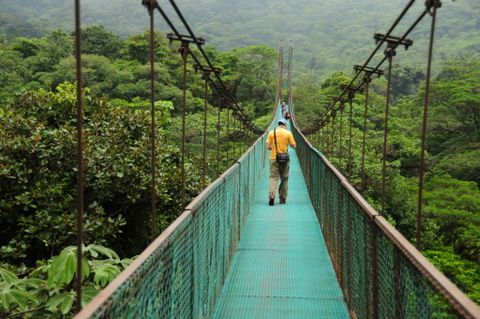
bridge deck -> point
(282, 268)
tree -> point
(97, 40)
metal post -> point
(80, 164)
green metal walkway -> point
(282, 268)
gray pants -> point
(278, 172)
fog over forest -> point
(327, 35)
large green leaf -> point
(64, 267)
(88, 293)
(15, 296)
(63, 301)
(8, 276)
(95, 250)
(33, 283)
(104, 273)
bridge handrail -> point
(373, 294)
(173, 276)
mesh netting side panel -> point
(184, 275)
(404, 292)
(377, 278)
(161, 287)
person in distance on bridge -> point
(284, 108)
(278, 141)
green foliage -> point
(49, 289)
(38, 137)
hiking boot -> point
(270, 201)
(283, 200)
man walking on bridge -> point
(278, 141)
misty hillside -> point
(328, 35)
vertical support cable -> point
(340, 144)
(184, 52)
(434, 5)
(278, 92)
(290, 66)
(228, 136)
(219, 111)
(385, 129)
(364, 139)
(204, 159)
(332, 136)
(350, 136)
(80, 164)
(323, 141)
(235, 137)
(153, 123)
(281, 75)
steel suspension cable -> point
(198, 41)
(390, 54)
(290, 66)
(332, 137)
(228, 136)
(434, 4)
(219, 111)
(204, 158)
(281, 74)
(184, 53)
(80, 161)
(151, 12)
(340, 133)
(238, 109)
(277, 93)
(378, 46)
(350, 135)
(364, 138)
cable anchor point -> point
(430, 4)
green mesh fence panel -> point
(380, 273)
(181, 274)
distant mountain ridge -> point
(328, 35)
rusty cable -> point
(364, 139)
(80, 161)
(434, 4)
(219, 111)
(204, 158)
(340, 133)
(379, 44)
(228, 94)
(228, 136)
(350, 136)
(153, 123)
(184, 52)
(390, 54)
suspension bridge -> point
(326, 253)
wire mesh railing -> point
(181, 274)
(382, 275)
